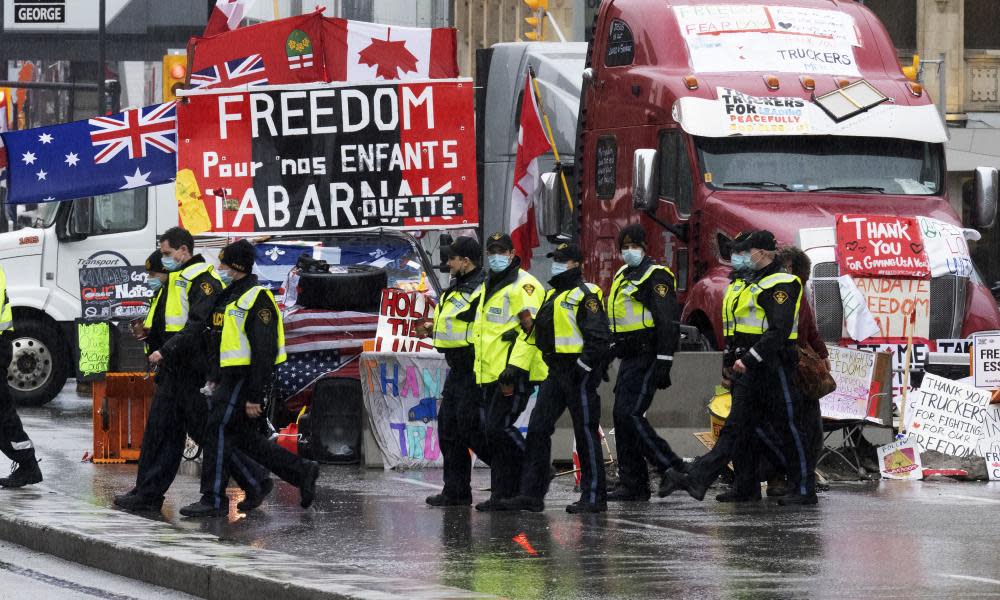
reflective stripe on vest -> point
(749, 315)
(175, 315)
(6, 314)
(729, 307)
(494, 317)
(568, 337)
(148, 321)
(450, 332)
(625, 312)
(234, 350)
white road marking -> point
(971, 578)
(647, 525)
(972, 498)
(432, 486)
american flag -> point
(309, 329)
(246, 71)
(134, 130)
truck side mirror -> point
(444, 240)
(548, 203)
(984, 211)
(645, 179)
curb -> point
(195, 563)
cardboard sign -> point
(900, 460)
(756, 37)
(896, 349)
(331, 157)
(947, 416)
(986, 360)
(399, 315)
(401, 393)
(880, 246)
(755, 114)
(854, 372)
(993, 465)
(114, 292)
(93, 349)
(898, 306)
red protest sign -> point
(400, 314)
(328, 157)
(881, 246)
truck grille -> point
(947, 304)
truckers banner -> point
(322, 157)
(881, 246)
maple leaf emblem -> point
(391, 59)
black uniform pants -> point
(504, 439)
(229, 429)
(566, 388)
(772, 400)
(14, 442)
(180, 409)
(460, 427)
(738, 432)
(635, 438)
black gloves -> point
(510, 335)
(662, 373)
(511, 374)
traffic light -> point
(536, 21)
(174, 75)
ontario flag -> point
(360, 51)
(227, 15)
(531, 145)
(277, 52)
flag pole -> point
(548, 134)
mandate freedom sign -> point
(330, 157)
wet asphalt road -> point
(932, 539)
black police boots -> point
(255, 499)
(200, 509)
(442, 500)
(524, 503)
(24, 473)
(136, 503)
(621, 493)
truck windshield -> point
(32, 215)
(855, 165)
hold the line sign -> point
(322, 157)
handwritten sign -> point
(900, 460)
(94, 343)
(897, 353)
(607, 154)
(399, 315)
(993, 465)
(946, 247)
(854, 372)
(114, 292)
(892, 301)
(621, 46)
(880, 246)
(947, 416)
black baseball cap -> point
(500, 240)
(565, 252)
(154, 264)
(465, 247)
(239, 255)
(761, 239)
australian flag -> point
(131, 149)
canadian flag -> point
(227, 15)
(360, 51)
(531, 144)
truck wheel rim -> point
(31, 365)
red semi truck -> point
(700, 120)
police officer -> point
(14, 442)
(508, 296)
(571, 332)
(459, 424)
(643, 312)
(251, 338)
(178, 316)
(765, 329)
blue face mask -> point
(499, 262)
(741, 261)
(632, 256)
(170, 264)
(225, 276)
(559, 268)
(154, 284)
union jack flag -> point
(248, 71)
(155, 126)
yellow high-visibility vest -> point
(234, 350)
(175, 314)
(449, 331)
(568, 337)
(6, 314)
(729, 306)
(749, 315)
(625, 312)
(498, 315)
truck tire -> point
(40, 364)
(360, 289)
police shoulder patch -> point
(264, 315)
(661, 289)
(780, 297)
(593, 304)
(207, 289)
(528, 288)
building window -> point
(982, 25)
(900, 19)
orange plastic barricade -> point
(121, 406)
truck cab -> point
(700, 120)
